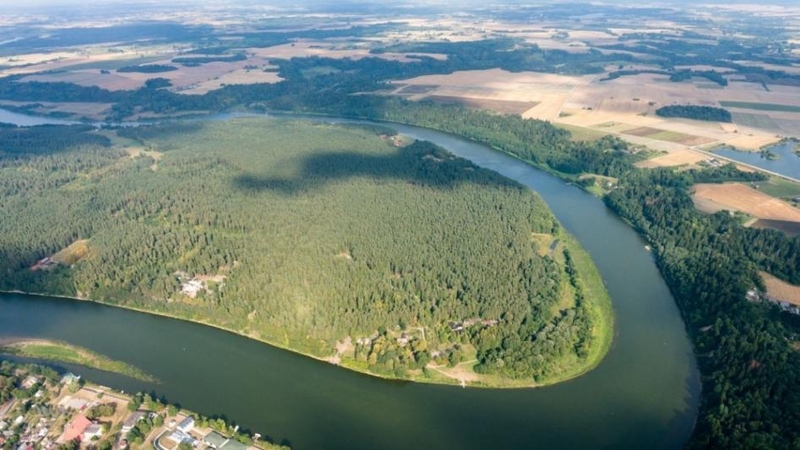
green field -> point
(72, 354)
(761, 106)
(779, 187)
(327, 240)
(754, 120)
(582, 133)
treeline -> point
(696, 112)
(148, 68)
(191, 61)
(711, 75)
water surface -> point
(788, 163)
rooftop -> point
(214, 439)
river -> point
(645, 393)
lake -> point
(788, 163)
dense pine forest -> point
(707, 113)
(302, 235)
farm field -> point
(711, 198)
(674, 158)
(760, 106)
(778, 289)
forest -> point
(749, 370)
(301, 235)
(148, 68)
(696, 112)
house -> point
(94, 430)
(73, 403)
(29, 382)
(75, 428)
(186, 424)
(215, 440)
(179, 437)
(3, 425)
(132, 421)
(192, 288)
(403, 340)
(70, 378)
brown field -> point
(778, 289)
(738, 197)
(643, 131)
(111, 81)
(241, 76)
(626, 107)
(752, 141)
(545, 92)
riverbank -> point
(50, 409)
(63, 352)
(600, 311)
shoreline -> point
(602, 309)
(55, 351)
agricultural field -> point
(678, 157)
(711, 198)
(543, 94)
(780, 290)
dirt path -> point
(462, 372)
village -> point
(40, 409)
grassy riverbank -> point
(63, 352)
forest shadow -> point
(161, 130)
(46, 139)
(421, 163)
